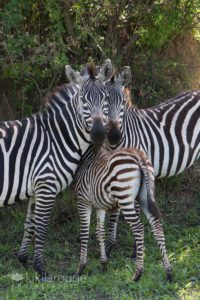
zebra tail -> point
(152, 207)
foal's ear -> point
(105, 72)
(72, 75)
(124, 77)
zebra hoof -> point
(169, 276)
(137, 275)
(109, 247)
(104, 265)
(80, 270)
(23, 259)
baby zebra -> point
(112, 182)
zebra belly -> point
(15, 184)
(11, 200)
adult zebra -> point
(112, 181)
(168, 133)
(39, 154)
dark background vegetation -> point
(159, 40)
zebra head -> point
(117, 102)
(92, 99)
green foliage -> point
(39, 37)
(166, 20)
(33, 47)
(62, 254)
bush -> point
(39, 37)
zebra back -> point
(168, 133)
(103, 177)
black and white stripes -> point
(112, 182)
(39, 155)
(168, 133)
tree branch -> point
(67, 19)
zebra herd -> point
(118, 149)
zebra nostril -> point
(114, 136)
(114, 133)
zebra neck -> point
(62, 121)
(66, 132)
(132, 123)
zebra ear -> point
(97, 70)
(84, 71)
(105, 71)
(124, 77)
(72, 75)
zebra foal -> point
(39, 154)
(111, 182)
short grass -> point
(179, 200)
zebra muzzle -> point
(98, 132)
(114, 133)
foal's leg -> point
(132, 218)
(138, 211)
(158, 233)
(100, 231)
(112, 231)
(84, 211)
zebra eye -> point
(83, 100)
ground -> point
(179, 200)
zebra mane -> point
(62, 89)
(91, 71)
(130, 101)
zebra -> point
(168, 133)
(111, 182)
(39, 154)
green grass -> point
(179, 200)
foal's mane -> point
(91, 71)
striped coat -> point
(39, 154)
(112, 182)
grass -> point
(179, 200)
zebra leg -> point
(112, 231)
(157, 230)
(44, 200)
(133, 219)
(29, 227)
(134, 253)
(158, 233)
(100, 231)
(84, 211)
